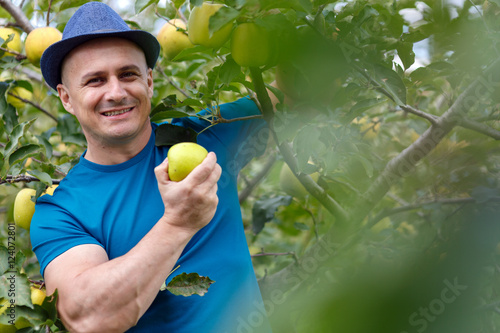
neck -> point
(110, 154)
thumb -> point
(161, 171)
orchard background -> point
(392, 127)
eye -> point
(129, 74)
(94, 81)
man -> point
(117, 226)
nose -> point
(116, 91)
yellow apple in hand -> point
(198, 26)
(38, 40)
(24, 208)
(172, 40)
(183, 158)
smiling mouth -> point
(115, 113)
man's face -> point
(107, 85)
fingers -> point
(208, 171)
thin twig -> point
(182, 91)
(18, 15)
(430, 117)
(264, 254)
(48, 13)
(23, 178)
(226, 121)
(19, 56)
(267, 109)
(479, 127)
(35, 105)
(401, 209)
(243, 195)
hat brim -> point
(52, 58)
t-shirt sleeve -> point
(54, 231)
(244, 139)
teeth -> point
(114, 113)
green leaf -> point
(264, 209)
(15, 135)
(301, 226)
(195, 3)
(194, 53)
(168, 115)
(225, 15)
(36, 316)
(306, 143)
(367, 165)
(290, 4)
(4, 261)
(169, 107)
(140, 5)
(211, 81)
(71, 4)
(18, 283)
(42, 176)
(46, 144)
(4, 42)
(168, 135)
(229, 70)
(186, 284)
(406, 54)
(391, 82)
(20, 259)
(178, 3)
(360, 107)
(25, 84)
(23, 152)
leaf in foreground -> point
(186, 284)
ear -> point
(150, 83)
(63, 92)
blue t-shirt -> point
(115, 206)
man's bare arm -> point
(101, 295)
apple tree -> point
(375, 206)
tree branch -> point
(479, 127)
(23, 178)
(226, 121)
(401, 209)
(430, 117)
(327, 246)
(182, 91)
(264, 254)
(286, 151)
(35, 105)
(48, 13)
(405, 162)
(243, 195)
(18, 15)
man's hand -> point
(191, 203)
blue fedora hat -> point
(90, 21)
